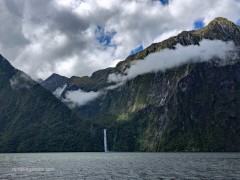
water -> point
(105, 140)
(120, 166)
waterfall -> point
(105, 140)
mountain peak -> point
(220, 25)
(220, 28)
(221, 19)
(54, 75)
(54, 81)
(223, 22)
(6, 67)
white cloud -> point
(155, 62)
(79, 97)
(58, 92)
(42, 37)
(170, 58)
(166, 35)
(21, 80)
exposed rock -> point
(54, 81)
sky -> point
(78, 37)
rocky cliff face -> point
(54, 81)
(190, 108)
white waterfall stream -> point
(105, 141)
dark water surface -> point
(120, 166)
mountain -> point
(219, 29)
(33, 120)
(193, 107)
(54, 81)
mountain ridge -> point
(54, 81)
(147, 114)
(98, 79)
(33, 120)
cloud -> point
(42, 37)
(170, 58)
(76, 98)
(21, 80)
(155, 62)
(58, 92)
(79, 97)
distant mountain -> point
(54, 81)
(33, 120)
(194, 107)
(39, 80)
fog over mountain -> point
(156, 62)
(170, 58)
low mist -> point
(155, 62)
(79, 97)
(21, 80)
(58, 92)
(170, 58)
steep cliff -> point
(33, 120)
(193, 107)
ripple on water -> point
(122, 165)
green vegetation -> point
(194, 107)
(189, 108)
(33, 120)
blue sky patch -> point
(198, 24)
(238, 22)
(104, 37)
(137, 49)
(164, 2)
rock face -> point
(194, 107)
(54, 81)
(33, 120)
